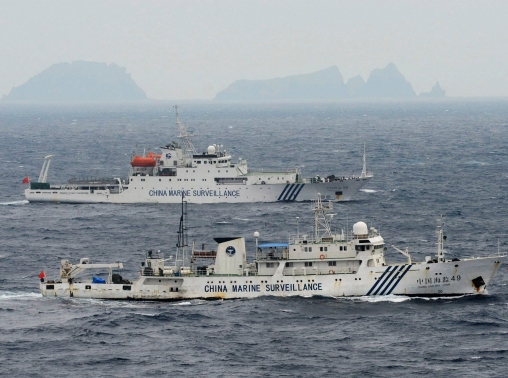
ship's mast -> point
(364, 170)
(440, 238)
(182, 233)
(185, 136)
(321, 221)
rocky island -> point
(435, 92)
(78, 82)
(327, 84)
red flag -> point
(42, 274)
(26, 180)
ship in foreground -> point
(207, 177)
(324, 263)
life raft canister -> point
(322, 257)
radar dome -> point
(211, 150)
(256, 234)
(360, 228)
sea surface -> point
(429, 159)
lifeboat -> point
(153, 156)
(138, 161)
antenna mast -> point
(321, 222)
(182, 235)
(185, 136)
(364, 170)
(440, 250)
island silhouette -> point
(78, 81)
(327, 84)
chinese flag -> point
(26, 180)
(42, 274)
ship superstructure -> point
(211, 176)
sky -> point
(194, 49)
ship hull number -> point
(439, 280)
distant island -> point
(78, 82)
(435, 92)
(327, 84)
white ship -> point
(207, 177)
(325, 263)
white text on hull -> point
(208, 177)
(325, 263)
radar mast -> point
(186, 137)
(321, 218)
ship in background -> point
(207, 177)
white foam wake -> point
(378, 298)
(9, 295)
(182, 304)
(368, 190)
(440, 298)
(14, 203)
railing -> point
(288, 271)
(289, 170)
(332, 178)
(92, 181)
(204, 254)
(301, 239)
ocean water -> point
(428, 159)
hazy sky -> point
(193, 49)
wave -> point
(222, 222)
(108, 303)
(14, 203)
(9, 295)
(242, 219)
(183, 304)
(375, 299)
(368, 190)
(447, 298)
(399, 298)
(475, 162)
(192, 302)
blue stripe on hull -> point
(385, 281)
(393, 279)
(290, 192)
(298, 192)
(378, 281)
(284, 191)
(398, 280)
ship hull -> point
(155, 190)
(454, 278)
